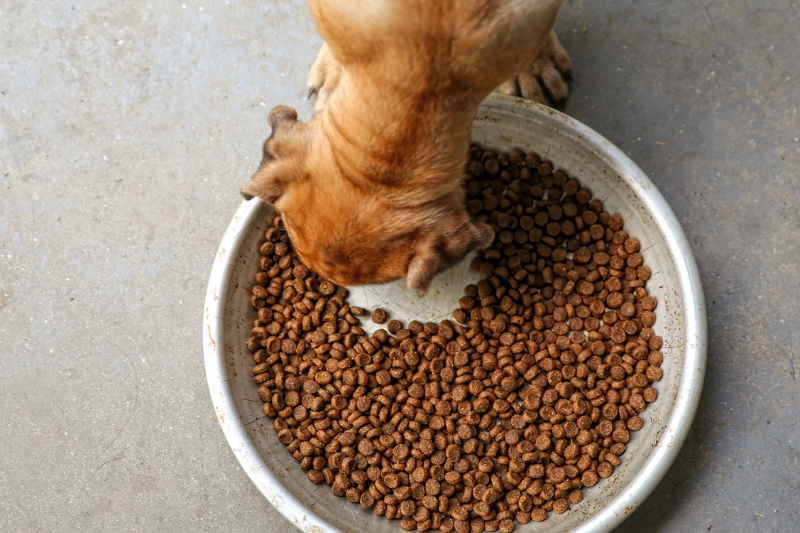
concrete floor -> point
(126, 130)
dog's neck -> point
(411, 140)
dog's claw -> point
(311, 91)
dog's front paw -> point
(544, 81)
(324, 76)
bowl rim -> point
(692, 371)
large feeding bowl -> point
(502, 123)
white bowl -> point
(502, 123)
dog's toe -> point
(530, 87)
(510, 87)
(554, 82)
(324, 75)
(545, 79)
(561, 58)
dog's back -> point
(475, 42)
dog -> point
(370, 189)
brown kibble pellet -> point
(543, 443)
(394, 326)
(634, 423)
(604, 470)
(507, 525)
(379, 316)
(648, 303)
(391, 480)
(627, 310)
(367, 500)
(634, 260)
(326, 288)
(560, 506)
(621, 435)
(505, 412)
(650, 394)
(653, 373)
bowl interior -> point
(502, 123)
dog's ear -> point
(282, 161)
(434, 255)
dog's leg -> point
(324, 76)
(543, 80)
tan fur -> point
(370, 188)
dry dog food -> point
(379, 316)
(503, 414)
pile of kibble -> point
(505, 413)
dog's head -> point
(365, 240)
(349, 233)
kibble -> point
(379, 316)
(504, 414)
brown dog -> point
(371, 188)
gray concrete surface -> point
(126, 130)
